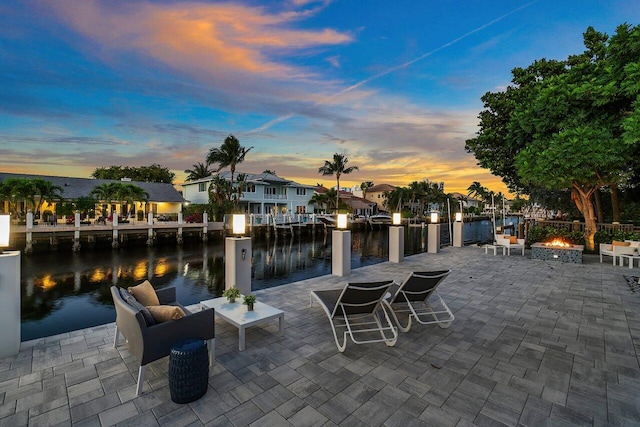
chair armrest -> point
(605, 246)
(166, 295)
(159, 338)
(521, 241)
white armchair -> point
(506, 242)
(616, 249)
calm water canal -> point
(64, 291)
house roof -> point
(81, 187)
(255, 178)
(380, 188)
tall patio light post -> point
(9, 293)
(433, 242)
(458, 231)
(341, 248)
(237, 250)
(396, 239)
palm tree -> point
(229, 154)
(130, 193)
(16, 189)
(320, 200)
(104, 192)
(338, 167)
(241, 185)
(47, 191)
(365, 186)
(120, 192)
(477, 190)
(199, 171)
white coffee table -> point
(630, 258)
(237, 314)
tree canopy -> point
(569, 124)
(152, 173)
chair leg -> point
(140, 379)
(115, 338)
(212, 351)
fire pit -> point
(557, 250)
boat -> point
(379, 219)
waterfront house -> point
(163, 198)
(265, 193)
(378, 194)
(358, 205)
(467, 202)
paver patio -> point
(534, 343)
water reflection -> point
(64, 291)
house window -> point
(301, 191)
(251, 188)
(270, 190)
(202, 187)
(301, 209)
(378, 195)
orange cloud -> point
(200, 39)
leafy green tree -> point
(151, 173)
(85, 205)
(198, 171)
(568, 124)
(229, 154)
(337, 167)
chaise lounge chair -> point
(358, 310)
(412, 297)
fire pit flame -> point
(558, 242)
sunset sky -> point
(395, 85)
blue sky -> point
(395, 85)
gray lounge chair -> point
(359, 309)
(150, 343)
(412, 297)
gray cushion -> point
(130, 299)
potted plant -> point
(249, 300)
(231, 294)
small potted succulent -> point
(231, 294)
(249, 300)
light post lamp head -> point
(5, 230)
(239, 224)
(397, 218)
(434, 218)
(458, 216)
(342, 221)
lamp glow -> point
(458, 216)
(4, 231)
(238, 224)
(397, 218)
(342, 221)
(434, 217)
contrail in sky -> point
(398, 67)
